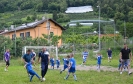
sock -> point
(67, 76)
(75, 78)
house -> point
(36, 29)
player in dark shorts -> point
(44, 58)
(125, 56)
(109, 53)
(7, 59)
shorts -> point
(65, 66)
(7, 63)
(52, 64)
(125, 61)
(84, 59)
(99, 63)
(72, 70)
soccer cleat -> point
(120, 72)
(60, 72)
(129, 73)
(65, 78)
(6, 69)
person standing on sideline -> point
(99, 58)
(125, 56)
(7, 59)
(44, 58)
(84, 56)
(109, 53)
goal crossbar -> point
(40, 47)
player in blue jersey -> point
(27, 58)
(28, 66)
(71, 68)
(99, 58)
(52, 62)
(109, 53)
(58, 62)
(84, 56)
(66, 63)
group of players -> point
(69, 61)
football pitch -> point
(17, 75)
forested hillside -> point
(119, 10)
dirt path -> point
(103, 68)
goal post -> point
(53, 50)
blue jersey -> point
(27, 57)
(65, 61)
(99, 59)
(73, 62)
(28, 67)
(85, 55)
(52, 60)
(58, 62)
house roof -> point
(32, 25)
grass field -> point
(17, 74)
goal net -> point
(53, 51)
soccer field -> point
(17, 75)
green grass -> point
(17, 75)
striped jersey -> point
(85, 55)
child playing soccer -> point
(125, 65)
(58, 63)
(28, 66)
(66, 63)
(52, 62)
(71, 68)
(99, 57)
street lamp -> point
(99, 30)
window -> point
(13, 36)
(27, 34)
(51, 34)
(22, 35)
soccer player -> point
(28, 66)
(27, 58)
(109, 53)
(99, 57)
(7, 59)
(125, 56)
(84, 56)
(44, 58)
(58, 62)
(33, 56)
(72, 68)
(66, 63)
(52, 62)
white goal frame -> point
(40, 47)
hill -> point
(22, 11)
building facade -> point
(36, 29)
